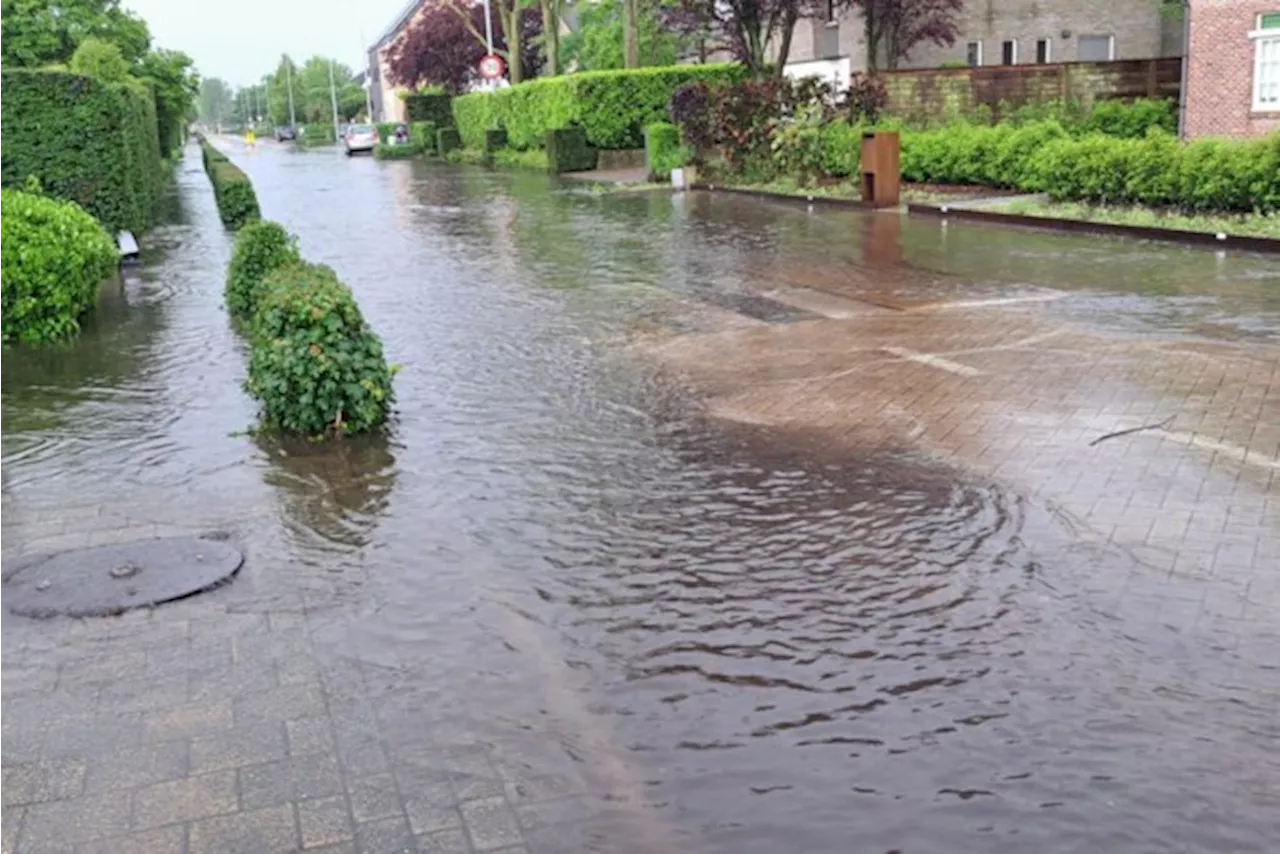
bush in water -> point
(56, 255)
(316, 367)
(261, 248)
(232, 189)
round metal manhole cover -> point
(105, 580)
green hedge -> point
(232, 189)
(494, 140)
(663, 151)
(423, 135)
(396, 152)
(386, 130)
(613, 107)
(447, 139)
(315, 366)
(262, 247)
(1156, 169)
(317, 134)
(423, 107)
(55, 258)
(569, 151)
(86, 141)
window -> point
(831, 13)
(973, 53)
(1009, 52)
(1266, 63)
(1097, 48)
(1043, 52)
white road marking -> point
(1233, 452)
(984, 303)
(932, 361)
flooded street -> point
(682, 540)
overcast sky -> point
(241, 40)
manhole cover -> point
(104, 580)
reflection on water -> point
(778, 646)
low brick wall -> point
(937, 93)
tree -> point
(512, 18)
(442, 48)
(599, 41)
(893, 27)
(282, 83)
(551, 35)
(45, 32)
(746, 28)
(215, 101)
(97, 58)
(173, 76)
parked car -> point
(286, 134)
(360, 138)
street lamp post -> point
(288, 78)
(488, 27)
(333, 99)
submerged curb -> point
(1080, 226)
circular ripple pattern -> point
(106, 580)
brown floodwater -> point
(744, 641)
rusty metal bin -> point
(880, 168)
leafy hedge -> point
(569, 151)
(386, 130)
(613, 107)
(316, 368)
(55, 257)
(396, 152)
(662, 150)
(232, 189)
(317, 134)
(262, 247)
(429, 107)
(447, 139)
(423, 135)
(87, 141)
(1157, 169)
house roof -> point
(398, 22)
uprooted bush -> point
(261, 248)
(316, 368)
(55, 257)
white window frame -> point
(1013, 54)
(1111, 45)
(977, 64)
(1048, 50)
(1269, 38)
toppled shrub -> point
(56, 256)
(261, 248)
(316, 368)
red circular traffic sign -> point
(492, 67)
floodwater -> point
(744, 642)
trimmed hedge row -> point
(382, 151)
(423, 135)
(56, 257)
(232, 189)
(422, 107)
(1156, 169)
(86, 141)
(569, 151)
(662, 150)
(315, 366)
(613, 107)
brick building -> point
(1233, 68)
(1001, 32)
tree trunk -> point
(787, 29)
(631, 33)
(511, 29)
(551, 36)
(872, 34)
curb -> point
(1140, 232)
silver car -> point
(360, 138)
